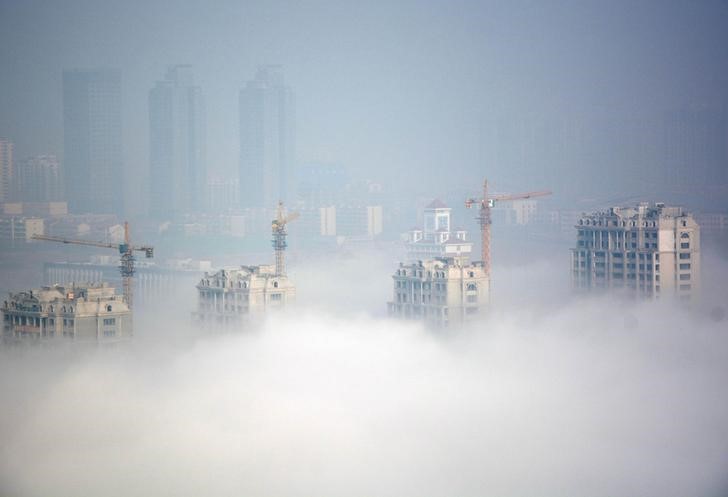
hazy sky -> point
(393, 88)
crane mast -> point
(486, 203)
(126, 256)
(278, 226)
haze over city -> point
(381, 248)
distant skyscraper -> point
(38, 179)
(6, 168)
(178, 177)
(267, 109)
(92, 141)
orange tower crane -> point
(126, 253)
(484, 218)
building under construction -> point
(86, 313)
(244, 294)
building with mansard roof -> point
(77, 312)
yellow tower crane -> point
(484, 217)
(126, 253)
(278, 227)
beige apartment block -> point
(242, 295)
(83, 313)
(650, 250)
(442, 292)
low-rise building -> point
(84, 313)
(651, 250)
(241, 295)
(442, 292)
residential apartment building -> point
(442, 292)
(242, 295)
(84, 313)
(651, 250)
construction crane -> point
(278, 227)
(484, 218)
(126, 252)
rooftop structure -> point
(440, 292)
(651, 250)
(239, 295)
(438, 238)
(86, 313)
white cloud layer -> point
(581, 402)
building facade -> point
(267, 140)
(38, 179)
(16, 231)
(84, 313)
(651, 250)
(442, 292)
(93, 168)
(438, 238)
(178, 173)
(6, 169)
(242, 295)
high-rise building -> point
(441, 292)
(6, 169)
(267, 145)
(178, 173)
(650, 250)
(93, 167)
(38, 179)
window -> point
(276, 297)
(685, 277)
(109, 333)
(472, 287)
(685, 266)
(109, 321)
(685, 256)
(685, 287)
(108, 309)
(684, 245)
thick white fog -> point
(588, 398)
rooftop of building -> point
(642, 211)
(441, 263)
(66, 294)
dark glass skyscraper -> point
(178, 173)
(93, 168)
(267, 110)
